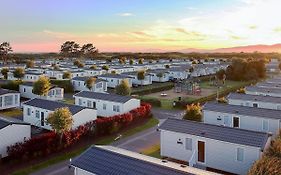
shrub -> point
(193, 112)
(152, 101)
(12, 85)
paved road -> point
(136, 143)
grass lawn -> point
(153, 151)
(105, 141)
(68, 101)
(11, 112)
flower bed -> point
(48, 143)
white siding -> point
(10, 100)
(12, 134)
(124, 107)
(246, 122)
(219, 155)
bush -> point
(193, 112)
(65, 84)
(154, 90)
(12, 85)
(152, 101)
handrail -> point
(191, 161)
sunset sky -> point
(139, 25)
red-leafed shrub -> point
(47, 143)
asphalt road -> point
(136, 143)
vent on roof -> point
(164, 161)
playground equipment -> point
(189, 87)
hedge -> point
(65, 84)
(48, 143)
(12, 85)
(153, 90)
(153, 101)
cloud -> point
(127, 14)
(59, 35)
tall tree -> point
(19, 73)
(193, 112)
(93, 67)
(160, 75)
(141, 76)
(70, 49)
(89, 50)
(30, 64)
(131, 62)
(4, 72)
(78, 63)
(123, 88)
(89, 82)
(122, 60)
(42, 86)
(66, 75)
(141, 61)
(61, 121)
(5, 49)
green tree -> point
(113, 72)
(88, 50)
(5, 49)
(42, 86)
(93, 67)
(30, 64)
(89, 82)
(122, 60)
(160, 75)
(141, 75)
(131, 61)
(66, 75)
(123, 88)
(105, 67)
(61, 121)
(19, 73)
(70, 49)
(4, 72)
(78, 63)
(193, 112)
(141, 61)
(221, 75)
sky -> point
(139, 25)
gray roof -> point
(216, 132)
(6, 91)
(101, 161)
(120, 76)
(52, 105)
(269, 84)
(6, 121)
(243, 110)
(263, 89)
(85, 79)
(248, 97)
(103, 96)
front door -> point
(42, 119)
(201, 151)
(94, 105)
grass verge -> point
(11, 112)
(105, 141)
(153, 151)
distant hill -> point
(250, 48)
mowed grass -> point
(153, 151)
(105, 141)
(11, 112)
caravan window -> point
(240, 154)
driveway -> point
(136, 143)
